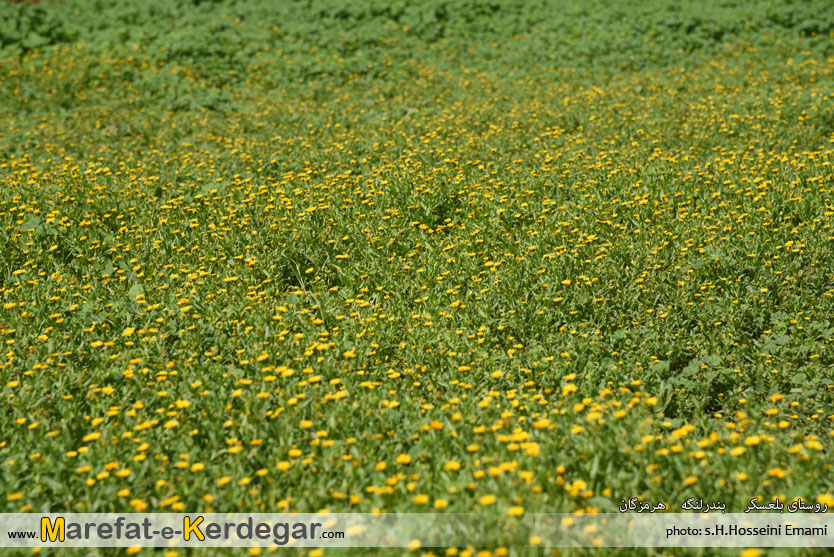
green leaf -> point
(135, 291)
(31, 223)
(661, 366)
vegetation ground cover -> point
(462, 256)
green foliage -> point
(558, 252)
(31, 26)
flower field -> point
(462, 256)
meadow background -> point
(461, 255)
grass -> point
(300, 257)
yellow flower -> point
(486, 500)
(440, 504)
(826, 499)
(531, 449)
(403, 459)
(128, 331)
(515, 511)
(91, 437)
